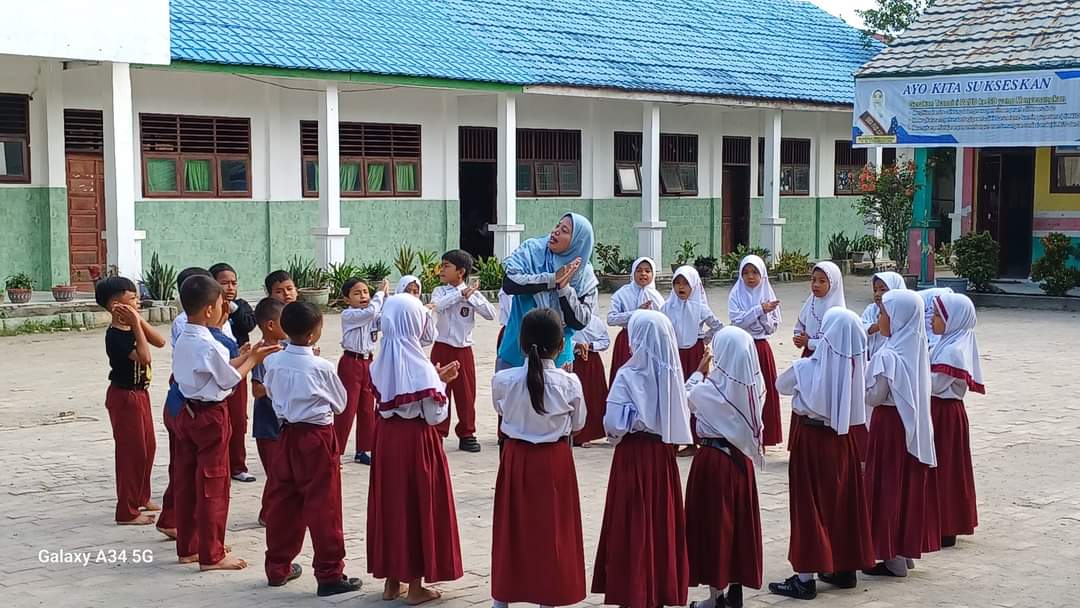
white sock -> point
(910, 563)
(897, 565)
(806, 577)
(715, 594)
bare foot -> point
(170, 532)
(587, 445)
(392, 590)
(229, 562)
(418, 594)
(188, 559)
(150, 506)
(142, 520)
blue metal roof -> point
(773, 49)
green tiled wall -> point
(35, 237)
(810, 222)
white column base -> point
(507, 238)
(329, 246)
(772, 229)
(651, 240)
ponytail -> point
(534, 380)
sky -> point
(845, 9)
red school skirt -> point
(830, 522)
(955, 476)
(594, 384)
(641, 560)
(723, 522)
(900, 490)
(620, 353)
(412, 527)
(690, 358)
(793, 428)
(537, 552)
(773, 432)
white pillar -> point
(451, 175)
(123, 242)
(507, 230)
(957, 216)
(329, 235)
(650, 229)
(54, 123)
(771, 222)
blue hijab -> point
(534, 257)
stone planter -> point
(857, 257)
(609, 283)
(63, 293)
(19, 296)
(911, 281)
(957, 284)
(844, 265)
(320, 296)
(705, 272)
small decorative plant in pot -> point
(19, 287)
(705, 265)
(976, 259)
(312, 282)
(685, 255)
(840, 251)
(63, 293)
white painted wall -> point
(129, 31)
(25, 76)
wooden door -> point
(727, 212)
(86, 216)
(989, 194)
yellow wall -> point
(1044, 200)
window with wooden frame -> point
(794, 167)
(1065, 170)
(548, 162)
(678, 164)
(375, 160)
(14, 139)
(848, 165)
(195, 156)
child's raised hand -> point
(801, 340)
(770, 306)
(562, 276)
(581, 350)
(262, 350)
(448, 372)
(385, 287)
(873, 329)
(705, 366)
(245, 349)
(646, 305)
(127, 315)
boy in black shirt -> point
(127, 344)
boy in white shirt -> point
(359, 334)
(456, 305)
(206, 377)
(304, 489)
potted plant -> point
(160, 281)
(63, 293)
(614, 268)
(886, 203)
(19, 287)
(490, 273)
(684, 255)
(1055, 277)
(705, 266)
(312, 282)
(374, 274)
(976, 255)
(840, 251)
(730, 261)
(791, 264)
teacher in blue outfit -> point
(550, 272)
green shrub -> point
(405, 262)
(490, 273)
(430, 262)
(611, 259)
(686, 252)
(338, 274)
(305, 274)
(1055, 277)
(19, 280)
(840, 246)
(976, 255)
(730, 261)
(792, 262)
(160, 280)
(374, 274)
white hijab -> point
(928, 296)
(905, 362)
(731, 398)
(685, 315)
(830, 382)
(649, 388)
(814, 309)
(957, 353)
(402, 373)
(744, 298)
(409, 280)
(631, 297)
(895, 282)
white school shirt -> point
(787, 384)
(707, 327)
(360, 326)
(563, 400)
(944, 386)
(181, 320)
(455, 316)
(427, 408)
(200, 366)
(595, 335)
(755, 321)
(303, 387)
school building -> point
(1003, 78)
(255, 130)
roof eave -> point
(686, 98)
(962, 71)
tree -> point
(887, 198)
(891, 17)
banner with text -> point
(975, 110)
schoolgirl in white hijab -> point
(928, 296)
(826, 291)
(830, 522)
(900, 485)
(409, 281)
(639, 294)
(728, 403)
(955, 370)
(646, 414)
(411, 285)
(687, 316)
(756, 310)
(882, 282)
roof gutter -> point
(999, 69)
(678, 98)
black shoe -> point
(345, 585)
(948, 541)
(843, 580)
(795, 588)
(294, 573)
(733, 596)
(362, 458)
(880, 569)
(469, 444)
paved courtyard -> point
(56, 489)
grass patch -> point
(37, 327)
